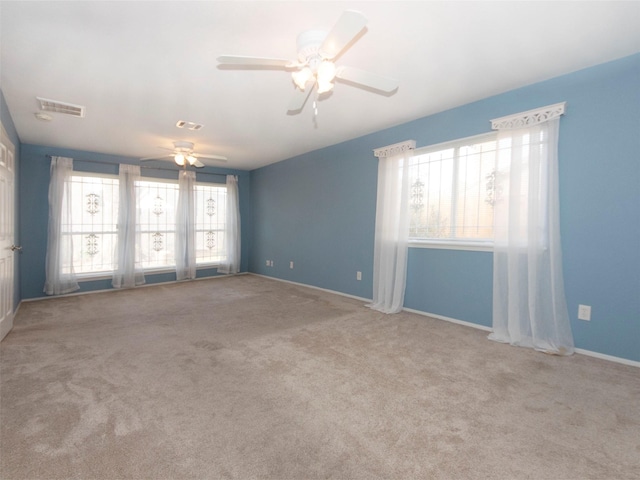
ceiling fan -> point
(183, 155)
(315, 67)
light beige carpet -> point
(246, 377)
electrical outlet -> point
(290, 264)
(358, 275)
(584, 312)
(267, 263)
(271, 263)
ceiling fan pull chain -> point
(315, 105)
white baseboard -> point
(74, 294)
(5, 326)
(368, 300)
(610, 358)
(449, 319)
(311, 286)
(581, 351)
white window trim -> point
(83, 173)
(479, 246)
(530, 117)
(453, 143)
(89, 276)
(92, 276)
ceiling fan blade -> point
(254, 61)
(218, 158)
(168, 149)
(348, 26)
(367, 79)
(157, 157)
(198, 164)
(299, 98)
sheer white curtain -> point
(185, 227)
(128, 271)
(529, 306)
(232, 230)
(60, 275)
(392, 228)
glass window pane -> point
(452, 193)
(157, 223)
(211, 212)
(93, 222)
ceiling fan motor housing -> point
(184, 147)
(309, 43)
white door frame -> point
(7, 232)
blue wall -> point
(34, 210)
(318, 210)
(7, 123)
(306, 210)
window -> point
(451, 192)
(211, 214)
(158, 205)
(93, 223)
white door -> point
(7, 248)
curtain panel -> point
(185, 244)
(529, 306)
(129, 272)
(59, 272)
(232, 235)
(391, 243)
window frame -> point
(205, 265)
(453, 243)
(95, 275)
(163, 268)
(107, 274)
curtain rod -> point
(141, 166)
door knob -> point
(16, 247)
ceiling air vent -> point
(61, 107)
(189, 125)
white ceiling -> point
(139, 67)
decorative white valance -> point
(531, 117)
(395, 149)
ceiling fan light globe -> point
(324, 87)
(326, 72)
(301, 77)
(179, 159)
(191, 159)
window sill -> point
(90, 277)
(452, 245)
